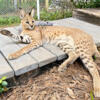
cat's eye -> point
(32, 21)
(27, 22)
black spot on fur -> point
(21, 37)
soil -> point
(74, 84)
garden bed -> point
(89, 15)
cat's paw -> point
(97, 89)
(12, 56)
(62, 69)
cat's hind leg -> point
(72, 56)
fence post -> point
(15, 4)
(19, 3)
(38, 9)
(46, 4)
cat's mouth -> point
(31, 28)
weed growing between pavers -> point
(3, 85)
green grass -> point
(54, 15)
(91, 4)
(13, 20)
(7, 21)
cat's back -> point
(69, 31)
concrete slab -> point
(22, 64)
(56, 51)
(5, 68)
(43, 56)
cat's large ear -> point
(22, 13)
(32, 13)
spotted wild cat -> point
(74, 42)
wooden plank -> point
(18, 28)
(22, 64)
(4, 41)
(13, 30)
(43, 56)
(5, 69)
(56, 51)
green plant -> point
(45, 15)
(94, 57)
(9, 20)
(86, 4)
(91, 95)
(3, 85)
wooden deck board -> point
(56, 51)
(5, 69)
(13, 30)
(43, 56)
(4, 41)
(22, 64)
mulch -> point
(74, 84)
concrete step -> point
(88, 15)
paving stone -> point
(43, 56)
(22, 64)
(56, 51)
(5, 69)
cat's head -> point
(27, 20)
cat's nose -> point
(31, 25)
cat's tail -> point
(6, 33)
(19, 38)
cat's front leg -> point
(25, 38)
(24, 50)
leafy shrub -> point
(45, 15)
(9, 20)
(86, 4)
(3, 85)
